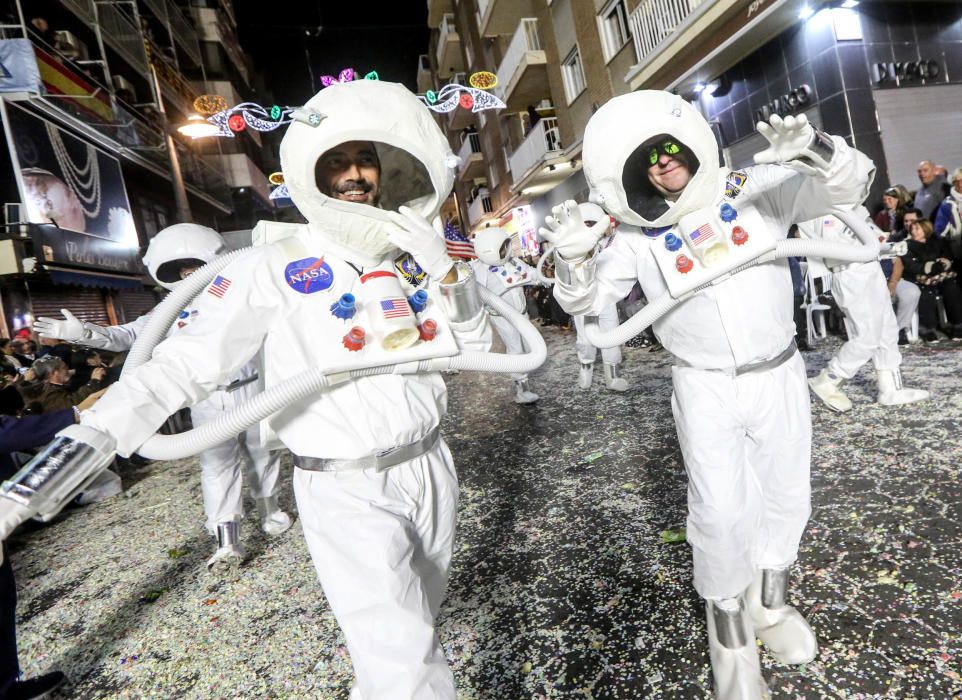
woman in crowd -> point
(928, 264)
(894, 203)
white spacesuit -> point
(497, 270)
(171, 255)
(740, 399)
(607, 319)
(863, 296)
(375, 485)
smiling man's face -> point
(350, 172)
(670, 172)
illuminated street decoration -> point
(483, 80)
(276, 178)
(346, 76)
(280, 192)
(236, 122)
(251, 115)
(452, 95)
(209, 104)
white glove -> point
(69, 328)
(787, 138)
(12, 514)
(415, 235)
(569, 234)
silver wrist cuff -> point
(74, 458)
(571, 272)
(461, 300)
(819, 152)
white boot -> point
(733, 652)
(585, 375)
(274, 521)
(779, 626)
(892, 393)
(826, 387)
(613, 379)
(230, 553)
(521, 393)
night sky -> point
(386, 37)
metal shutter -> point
(920, 123)
(86, 304)
(741, 154)
(133, 303)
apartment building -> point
(91, 97)
(884, 74)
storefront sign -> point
(58, 246)
(904, 71)
(785, 104)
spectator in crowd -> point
(53, 375)
(9, 356)
(25, 350)
(927, 264)
(11, 403)
(948, 222)
(908, 218)
(894, 203)
(41, 27)
(533, 117)
(933, 190)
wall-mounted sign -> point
(785, 104)
(904, 71)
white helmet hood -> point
(488, 243)
(415, 159)
(612, 138)
(177, 245)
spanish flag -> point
(60, 79)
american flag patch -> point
(395, 308)
(219, 286)
(701, 234)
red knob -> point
(354, 339)
(739, 235)
(428, 329)
(684, 264)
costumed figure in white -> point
(337, 299)
(873, 332)
(505, 275)
(607, 319)
(740, 400)
(171, 256)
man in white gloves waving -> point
(740, 399)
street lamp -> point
(180, 192)
(197, 127)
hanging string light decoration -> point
(280, 192)
(453, 95)
(483, 80)
(346, 76)
(276, 178)
(209, 104)
(251, 115)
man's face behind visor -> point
(668, 166)
(350, 172)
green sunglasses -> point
(669, 148)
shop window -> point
(574, 75)
(613, 28)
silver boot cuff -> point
(774, 588)
(228, 534)
(730, 625)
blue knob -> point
(672, 242)
(344, 307)
(418, 301)
(728, 213)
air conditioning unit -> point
(70, 46)
(124, 89)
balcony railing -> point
(478, 208)
(447, 30)
(542, 141)
(181, 30)
(655, 20)
(472, 144)
(525, 39)
(119, 31)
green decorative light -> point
(432, 96)
(372, 76)
(275, 112)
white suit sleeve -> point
(114, 338)
(615, 274)
(790, 197)
(187, 367)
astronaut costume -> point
(172, 249)
(496, 270)
(740, 400)
(607, 319)
(862, 295)
(374, 481)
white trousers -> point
(381, 544)
(222, 468)
(907, 295)
(586, 351)
(513, 344)
(746, 442)
(873, 333)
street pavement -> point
(569, 579)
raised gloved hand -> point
(69, 328)
(567, 231)
(415, 235)
(795, 142)
(12, 514)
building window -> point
(613, 28)
(574, 76)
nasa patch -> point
(409, 269)
(733, 185)
(309, 275)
